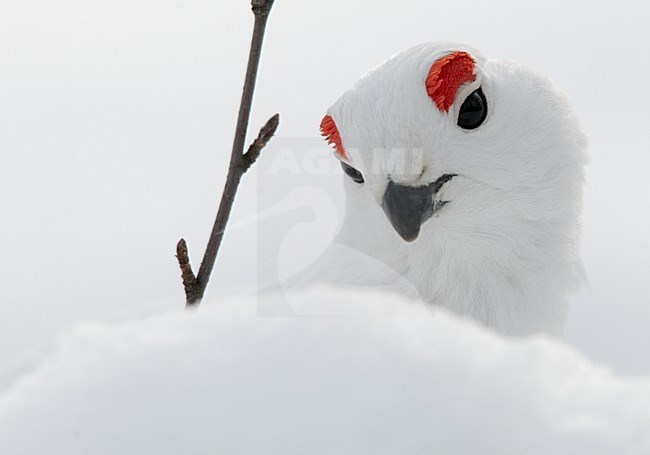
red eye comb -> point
(331, 134)
(446, 75)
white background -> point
(116, 121)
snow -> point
(225, 380)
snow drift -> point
(225, 380)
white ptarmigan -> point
(463, 188)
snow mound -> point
(225, 380)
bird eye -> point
(352, 173)
(473, 111)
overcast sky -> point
(116, 120)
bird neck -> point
(516, 281)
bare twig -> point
(239, 164)
(265, 135)
(189, 280)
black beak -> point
(408, 207)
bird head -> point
(447, 144)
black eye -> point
(352, 173)
(473, 111)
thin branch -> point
(263, 138)
(189, 280)
(239, 164)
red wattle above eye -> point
(331, 134)
(446, 76)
